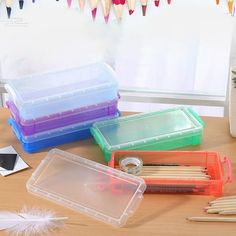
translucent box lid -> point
(104, 193)
(44, 94)
(134, 130)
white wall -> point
(185, 46)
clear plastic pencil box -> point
(161, 130)
(42, 95)
(87, 187)
(219, 169)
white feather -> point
(29, 222)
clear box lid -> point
(128, 131)
(37, 89)
(104, 193)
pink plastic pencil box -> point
(220, 171)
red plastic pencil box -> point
(219, 170)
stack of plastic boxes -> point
(56, 108)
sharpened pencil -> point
(131, 6)
(230, 5)
(69, 3)
(94, 4)
(144, 6)
(81, 4)
(211, 219)
(227, 197)
(8, 7)
(228, 212)
(106, 7)
(118, 8)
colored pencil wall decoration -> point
(117, 5)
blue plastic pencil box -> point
(51, 138)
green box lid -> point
(132, 131)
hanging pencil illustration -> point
(157, 3)
(69, 3)
(131, 6)
(169, 1)
(106, 7)
(81, 4)
(217, 2)
(93, 4)
(144, 6)
(118, 8)
(8, 7)
(21, 4)
(230, 6)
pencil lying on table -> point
(211, 219)
(222, 206)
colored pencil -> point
(21, 4)
(106, 7)
(81, 4)
(228, 212)
(131, 6)
(93, 5)
(217, 2)
(8, 7)
(230, 5)
(144, 6)
(157, 3)
(211, 219)
(69, 3)
(226, 198)
(118, 8)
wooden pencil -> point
(144, 6)
(69, 3)
(131, 6)
(222, 201)
(81, 4)
(222, 204)
(8, 7)
(226, 198)
(230, 5)
(106, 6)
(118, 8)
(93, 5)
(217, 210)
(228, 212)
(211, 219)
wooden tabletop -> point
(158, 214)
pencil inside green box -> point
(163, 130)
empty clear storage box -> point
(42, 95)
(90, 188)
(162, 130)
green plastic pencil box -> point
(163, 130)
